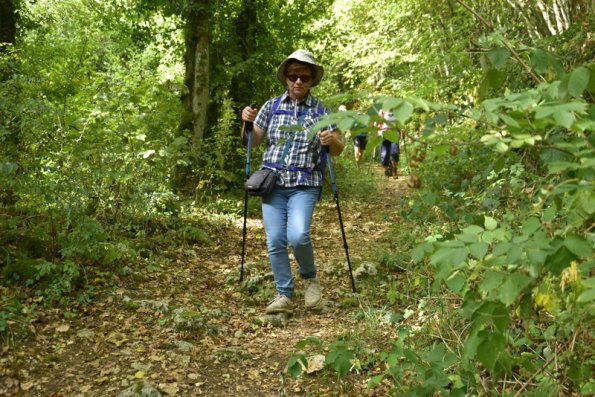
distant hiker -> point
(389, 157)
(389, 150)
(359, 143)
(288, 209)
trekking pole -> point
(329, 163)
(248, 131)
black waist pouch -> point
(261, 182)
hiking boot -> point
(312, 294)
(281, 304)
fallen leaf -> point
(63, 328)
(86, 388)
(139, 375)
(26, 386)
(117, 338)
(101, 380)
(171, 389)
(85, 333)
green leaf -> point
(499, 234)
(516, 143)
(493, 78)
(429, 198)
(345, 124)
(500, 318)
(539, 60)
(468, 238)
(449, 256)
(403, 112)
(309, 341)
(418, 103)
(559, 260)
(498, 57)
(587, 296)
(391, 102)
(578, 245)
(375, 381)
(473, 229)
(514, 254)
(418, 252)
(587, 202)
(490, 223)
(550, 213)
(362, 119)
(491, 349)
(470, 346)
(478, 250)
(296, 365)
(544, 111)
(578, 81)
(340, 358)
(492, 280)
(491, 313)
(501, 147)
(576, 107)
(561, 166)
(564, 118)
(180, 141)
(512, 287)
(456, 282)
(509, 120)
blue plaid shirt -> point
(303, 160)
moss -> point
(189, 314)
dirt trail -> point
(187, 328)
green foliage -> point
(340, 358)
(523, 252)
(511, 219)
(89, 142)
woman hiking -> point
(288, 209)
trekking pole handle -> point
(247, 130)
(250, 124)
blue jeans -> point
(287, 214)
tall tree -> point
(551, 17)
(8, 24)
(196, 61)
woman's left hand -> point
(332, 139)
(326, 137)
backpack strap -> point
(274, 108)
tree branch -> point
(504, 42)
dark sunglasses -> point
(294, 77)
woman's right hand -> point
(249, 114)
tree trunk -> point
(8, 23)
(196, 61)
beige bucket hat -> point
(305, 57)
